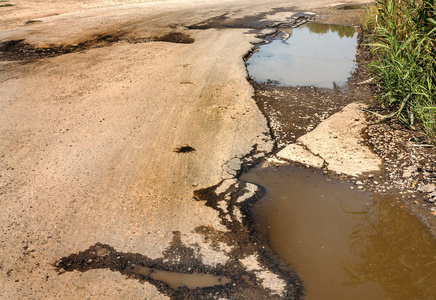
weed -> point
(403, 39)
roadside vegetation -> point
(402, 37)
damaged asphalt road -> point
(91, 184)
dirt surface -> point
(124, 127)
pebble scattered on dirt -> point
(409, 167)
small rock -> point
(407, 174)
(428, 188)
(432, 198)
(359, 182)
(101, 251)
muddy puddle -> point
(314, 54)
(177, 280)
(344, 243)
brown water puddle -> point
(177, 280)
(186, 279)
(343, 244)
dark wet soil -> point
(184, 149)
(22, 50)
(294, 111)
(255, 22)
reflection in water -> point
(341, 31)
(343, 245)
(390, 247)
(315, 54)
(177, 280)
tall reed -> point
(404, 42)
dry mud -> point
(124, 127)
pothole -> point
(184, 149)
(344, 243)
(22, 50)
(176, 280)
(314, 54)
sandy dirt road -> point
(88, 138)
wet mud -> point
(294, 111)
(22, 50)
(255, 22)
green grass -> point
(403, 40)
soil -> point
(95, 111)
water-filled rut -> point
(344, 243)
(313, 54)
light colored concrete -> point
(299, 154)
(338, 141)
(267, 278)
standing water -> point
(343, 244)
(314, 54)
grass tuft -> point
(403, 40)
